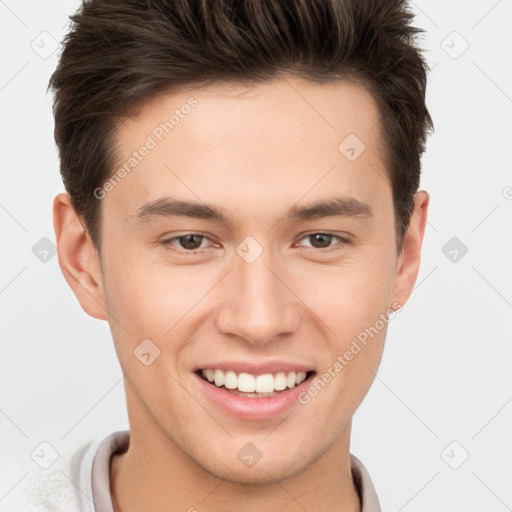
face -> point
(286, 261)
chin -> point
(261, 473)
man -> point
(242, 207)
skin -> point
(256, 152)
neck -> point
(155, 474)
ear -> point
(78, 259)
(409, 261)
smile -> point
(247, 384)
(252, 397)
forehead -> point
(242, 145)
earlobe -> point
(78, 259)
(409, 262)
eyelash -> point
(342, 242)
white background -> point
(445, 374)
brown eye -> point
(186, 243)
(323, 240)
(190, 242)
(320, 240)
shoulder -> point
(65, 486)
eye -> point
(323, 240)
(188, 243)
(192, 243)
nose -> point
(259, 301)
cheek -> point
(358, 312)
(348, 297)
(150, 297)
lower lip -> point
(253, 408)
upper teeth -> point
(246, 382)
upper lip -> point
(254, 368)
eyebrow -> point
(173, 207)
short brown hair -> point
(119, 54)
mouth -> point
(250, 396)
(254, 386)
